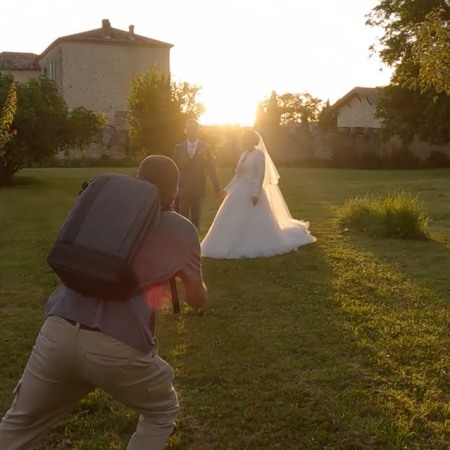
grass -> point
(391, 215)
(341, 345)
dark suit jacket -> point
(193, 172)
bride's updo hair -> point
(251, 136)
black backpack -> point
(94, 250)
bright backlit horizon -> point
(237, 51)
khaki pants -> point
(66, 364)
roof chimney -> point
(106, 28)
(131, 32)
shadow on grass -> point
(396, 305)
(24, 182)
(426, 261)
(289, 354)
(274, 362)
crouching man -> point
(87, 343)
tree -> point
(416, 43)
(408, 26)
(42, 125)
(408, 114)
(299, 108)
(159, 109)
(288, 108)
(272, 111)
(327, 119)
(7, 116)
(260, 115)
(431, 52)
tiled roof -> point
(107, 34)
(18, 61)
(369, 93)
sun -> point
(228, 108)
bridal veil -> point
(278, 206)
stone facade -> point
(94, 69)
(355, 111)
(358, 113)
(99, 76)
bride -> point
(254, 220)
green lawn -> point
(341, 345)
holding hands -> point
(221, 194)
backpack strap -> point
(174, 295)
(172, 281)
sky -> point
(237, 51)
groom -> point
(195, 162)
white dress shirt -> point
(191, 148)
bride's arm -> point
(260, 167)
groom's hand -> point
(254, 201)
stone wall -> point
(368, 141)
(288, 146)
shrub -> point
(394, 215)
(438, 159)
(42, 125)
(401, 158)
(344, 156)
(103, 160)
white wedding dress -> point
(243, 230)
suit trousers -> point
(66, 364)
(190, 206)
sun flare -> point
(224, 108)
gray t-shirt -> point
(172, 248)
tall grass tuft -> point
(393, 215)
